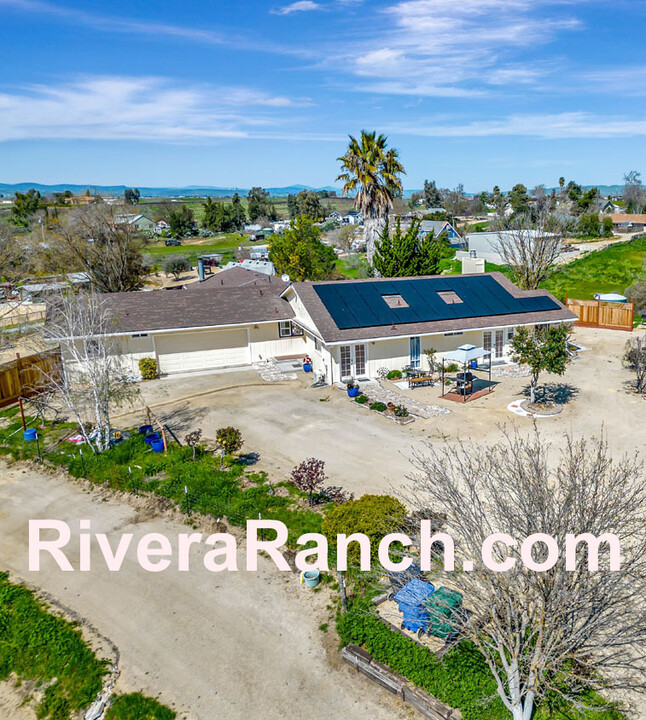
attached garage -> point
(207, 350)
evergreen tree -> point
(405, 254)
(300, 253)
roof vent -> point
(450, 297)
(395, 301)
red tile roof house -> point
(349, 328)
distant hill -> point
(117, 190)
(8, 190)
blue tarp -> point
(411, 601)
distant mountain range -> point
(8, 190)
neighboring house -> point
(279, 226)
(437, 227)
(335, 215)
(140, 223)
(260, 265)
(628, 223)
(485, 243)
(252, 228)
(38, 292)
(348, 328)
(354, 217)
(161, 227)
(603, 206)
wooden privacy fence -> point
(379, 673)
(29, 376)
(594, 313)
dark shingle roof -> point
(236, 277)
(165, 310)
(512, 307)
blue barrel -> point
(30, 434)
(307, 367)
(145, 429)
(157, 445)
(152, 437)
(353, 391)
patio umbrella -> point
(464, 355)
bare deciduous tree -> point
(554, 636)
(635, 359)
(94, 378)
(530, 246)
(97, 239)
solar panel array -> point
(362, 304)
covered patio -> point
(467, 385)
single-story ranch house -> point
(349, 328)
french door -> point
(415, 352)
(494, 341)
(353, 360)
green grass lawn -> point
(611, 270)
(226, 244)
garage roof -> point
(136, 312)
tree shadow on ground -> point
(182, 419)
(558, 393)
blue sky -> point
(479, 92)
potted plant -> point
(307, 364)
(353, 389)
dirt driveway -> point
(233, 645)
(289, 421)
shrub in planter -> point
(453, 367)
(148, 368)
(400, 411)
(378, 406)
(361, 399)
(394, 375)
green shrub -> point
(136, 706)
(394, 375)
(229, 439)
(451, 367)
(148, 368)
(378, 406)
(361, 399)
(374, 515)
(401, 411)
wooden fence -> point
(594, 313)
(29, 376)
(381, 674)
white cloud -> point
(457, 47)
(547, 126)
(140, 108)
(298, 6)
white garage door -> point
(183, 352)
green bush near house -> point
(361, 399)
(378, 406)
(394, 375)
(148, 368)
(136, 706)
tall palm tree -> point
(372, 171)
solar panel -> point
(362, 304)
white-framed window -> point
(286, 328)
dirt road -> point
(235, 645)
